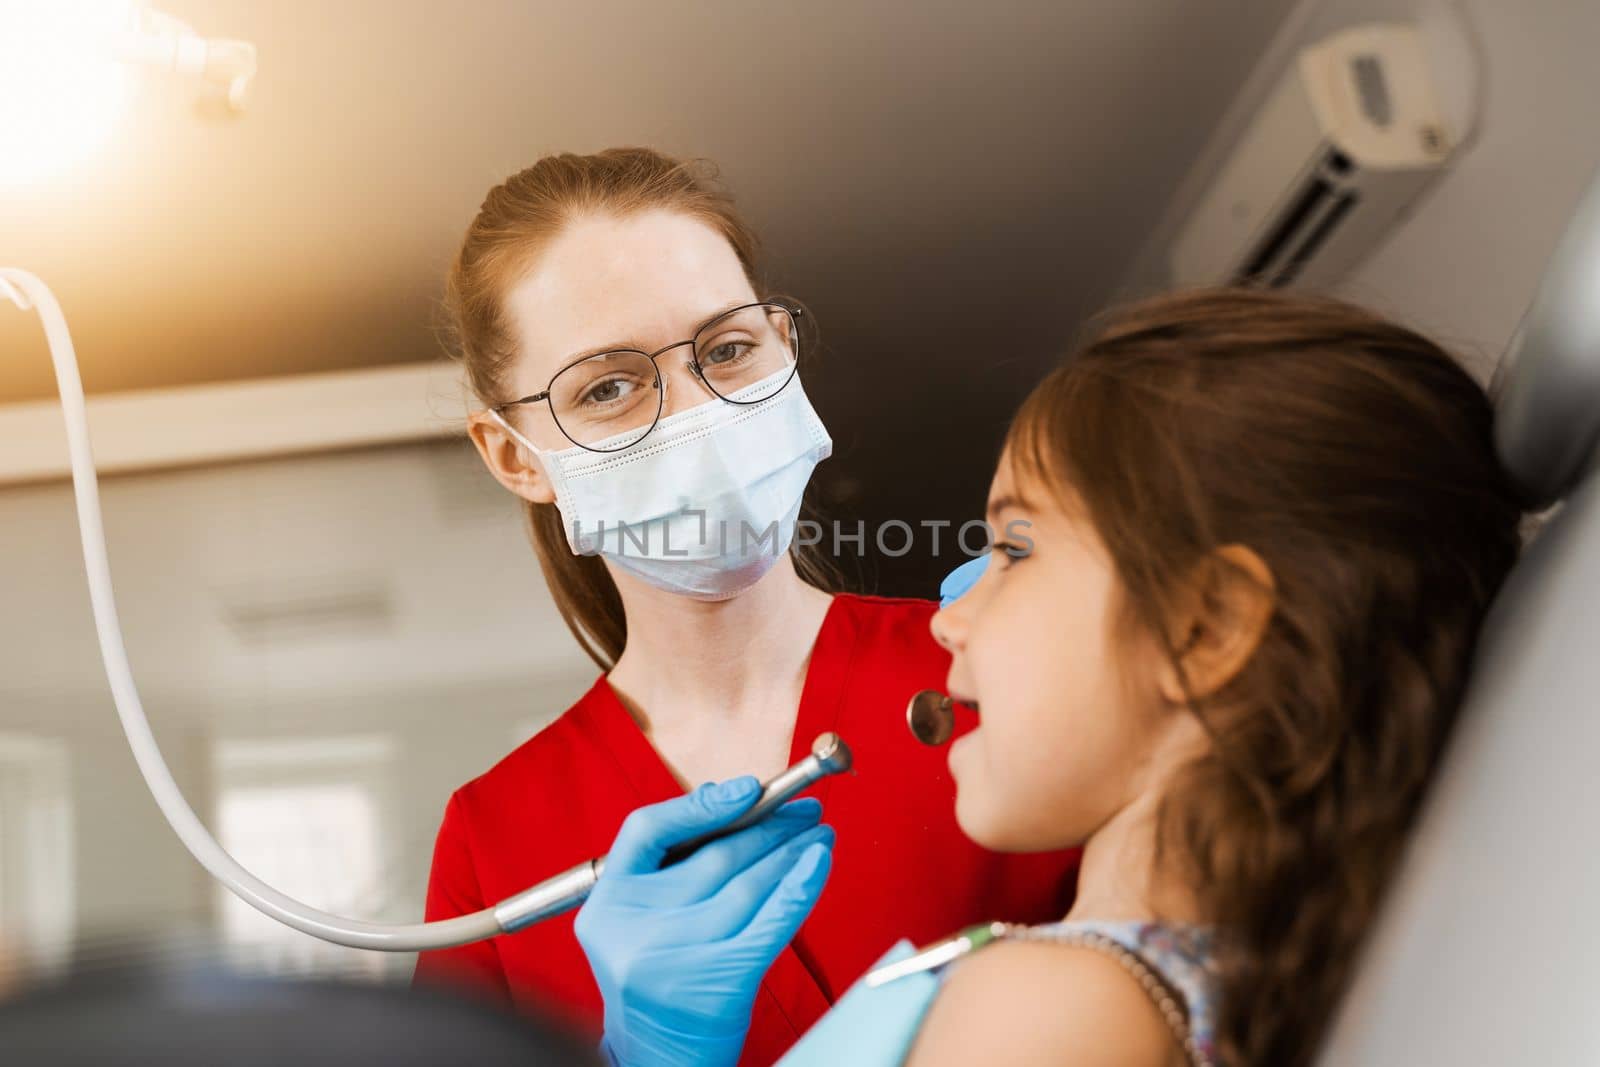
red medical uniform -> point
(901, 866)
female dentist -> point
(642, 398)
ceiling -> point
(949, 187)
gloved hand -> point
(964, 577)
(679, 952)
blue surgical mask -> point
(705, 504)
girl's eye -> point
(1011, 551)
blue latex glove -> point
(679, 952)
(963, 578)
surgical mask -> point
(705, 504)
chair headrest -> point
(1547, 419)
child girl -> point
(1252, 539)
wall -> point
(1467, 261)
(451, 655)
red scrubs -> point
(901, 866)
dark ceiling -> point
(949, 187)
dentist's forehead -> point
(637, 281)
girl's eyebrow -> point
(1009, 500)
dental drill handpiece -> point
(567, 890)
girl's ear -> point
(1220, 623)
(511, 463)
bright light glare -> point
(61, 91)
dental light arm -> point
(162, 41)
(551, 897)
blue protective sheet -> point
(964, 577)
(869, 1027)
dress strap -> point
(1189, 1022)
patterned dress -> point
(875, 1026)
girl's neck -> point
(1119, 877)
(729, 658)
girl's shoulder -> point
(1036, 1002)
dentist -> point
(642, 397)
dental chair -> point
(1488, 948)
(152, 1011)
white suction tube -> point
(550, 897)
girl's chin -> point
(968, 792)
(955, 755)
(975, 822)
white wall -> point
(132, 873)
(1466, 264)
(462, 654)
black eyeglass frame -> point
(795, 313)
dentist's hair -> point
(1355, 458)
(519, 217)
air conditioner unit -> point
(1341, 147)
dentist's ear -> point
(512, 463)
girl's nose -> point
(949, 628)
(949, 624)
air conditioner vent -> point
(1314, 212)
(1324, 170)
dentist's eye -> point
(726, 353)
(608, 391)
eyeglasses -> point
(609, 401)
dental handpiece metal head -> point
(569, 889)
(931, 716)
(829, 755)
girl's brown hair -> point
(518, 218)
(1355, 458)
